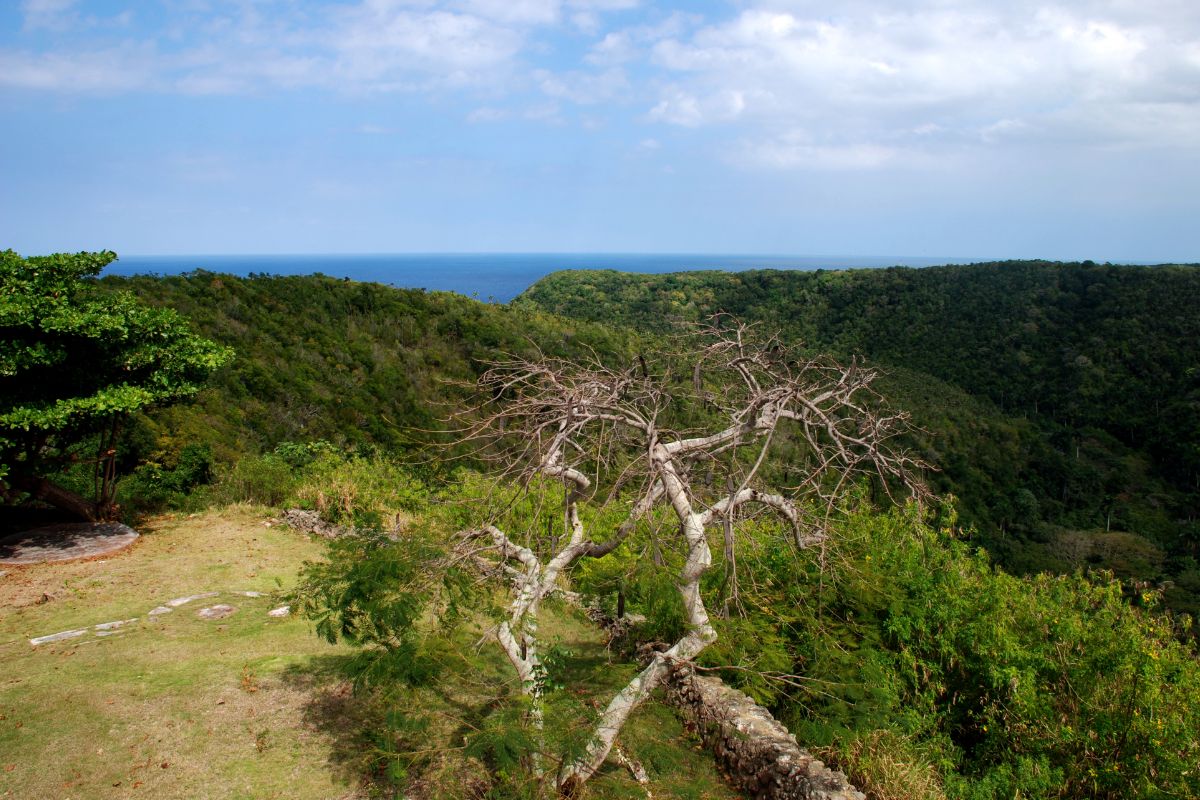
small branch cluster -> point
(657, 435)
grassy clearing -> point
(174, 707)
(249, 706)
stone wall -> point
(757, 754)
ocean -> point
(493, 277)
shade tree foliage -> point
(75, 364)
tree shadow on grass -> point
(347, 718)
(415, 742)
(370, 744)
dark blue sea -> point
(495, 277)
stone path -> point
(218, 611)
(65, 542)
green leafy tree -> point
(75, 363)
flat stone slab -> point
(282, 611)
(219, 611)
(65, 542)
(179, 601)
(112, 626)
(58, 637)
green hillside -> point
(355, 364)
(1065, 413)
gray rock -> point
(311, 522)
(110, 626)
(219, 611)
(63, 542)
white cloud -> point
(386, 46)
(1002, 129)
(524, 12)
(795, 151)
(635, 42)
(879, 74)
(48, 13)
(101, 71)
(604, 5)
(873, 77)
(680, 107)
(582, 88)
(228, 46)
(486, 114)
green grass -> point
(249, 706)
(172, 707)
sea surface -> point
(494, 277)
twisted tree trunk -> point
(47, 491)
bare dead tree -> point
(568, 422)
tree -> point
(75, 363)
(694, 442)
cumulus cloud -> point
(681, 107)
(384, 47)
(882, 76)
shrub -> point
(906, 642)
(362, 491)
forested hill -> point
(1082, 443)
(356, 364)
(1088, 345)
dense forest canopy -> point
(1067, 416)
(1060, 402)
(1087, 345)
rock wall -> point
(757, 753)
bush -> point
(361, 491)
(911, 647)
(154, 485)
(265, 480)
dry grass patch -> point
(885, 766)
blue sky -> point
(863, 127)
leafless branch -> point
(668, 424)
